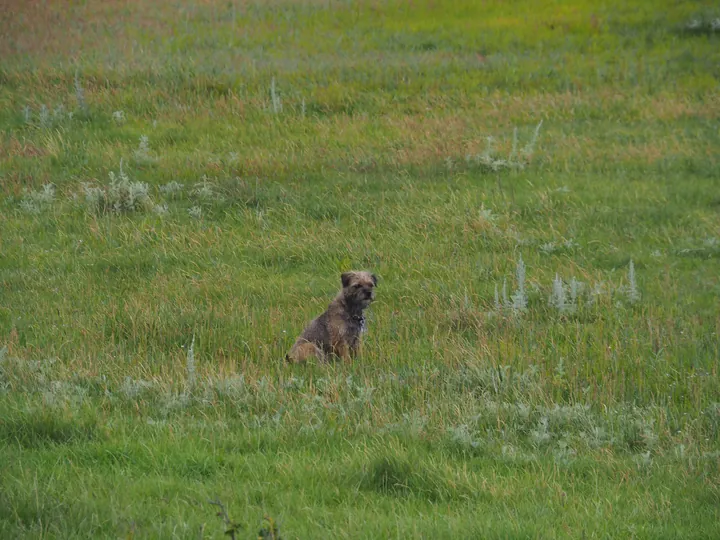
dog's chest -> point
(358, 323)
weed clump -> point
(206, 191)
(34, 202)
(633, 294)
(80, 94)
(558, 298)
(119, 117)
(490, 161)
(172, 189)
(120, 196)
(702, 25)
(143, 154)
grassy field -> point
(537, 185)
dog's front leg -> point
(341, 350)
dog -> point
(336, 333)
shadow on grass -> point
(36, 429)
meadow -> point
(536, 184)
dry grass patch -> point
(16, 147)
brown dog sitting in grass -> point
(337, 331)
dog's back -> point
(313, 342)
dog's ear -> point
(374, 278)
(345, 278)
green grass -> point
(461, 418)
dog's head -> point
(359, 288)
